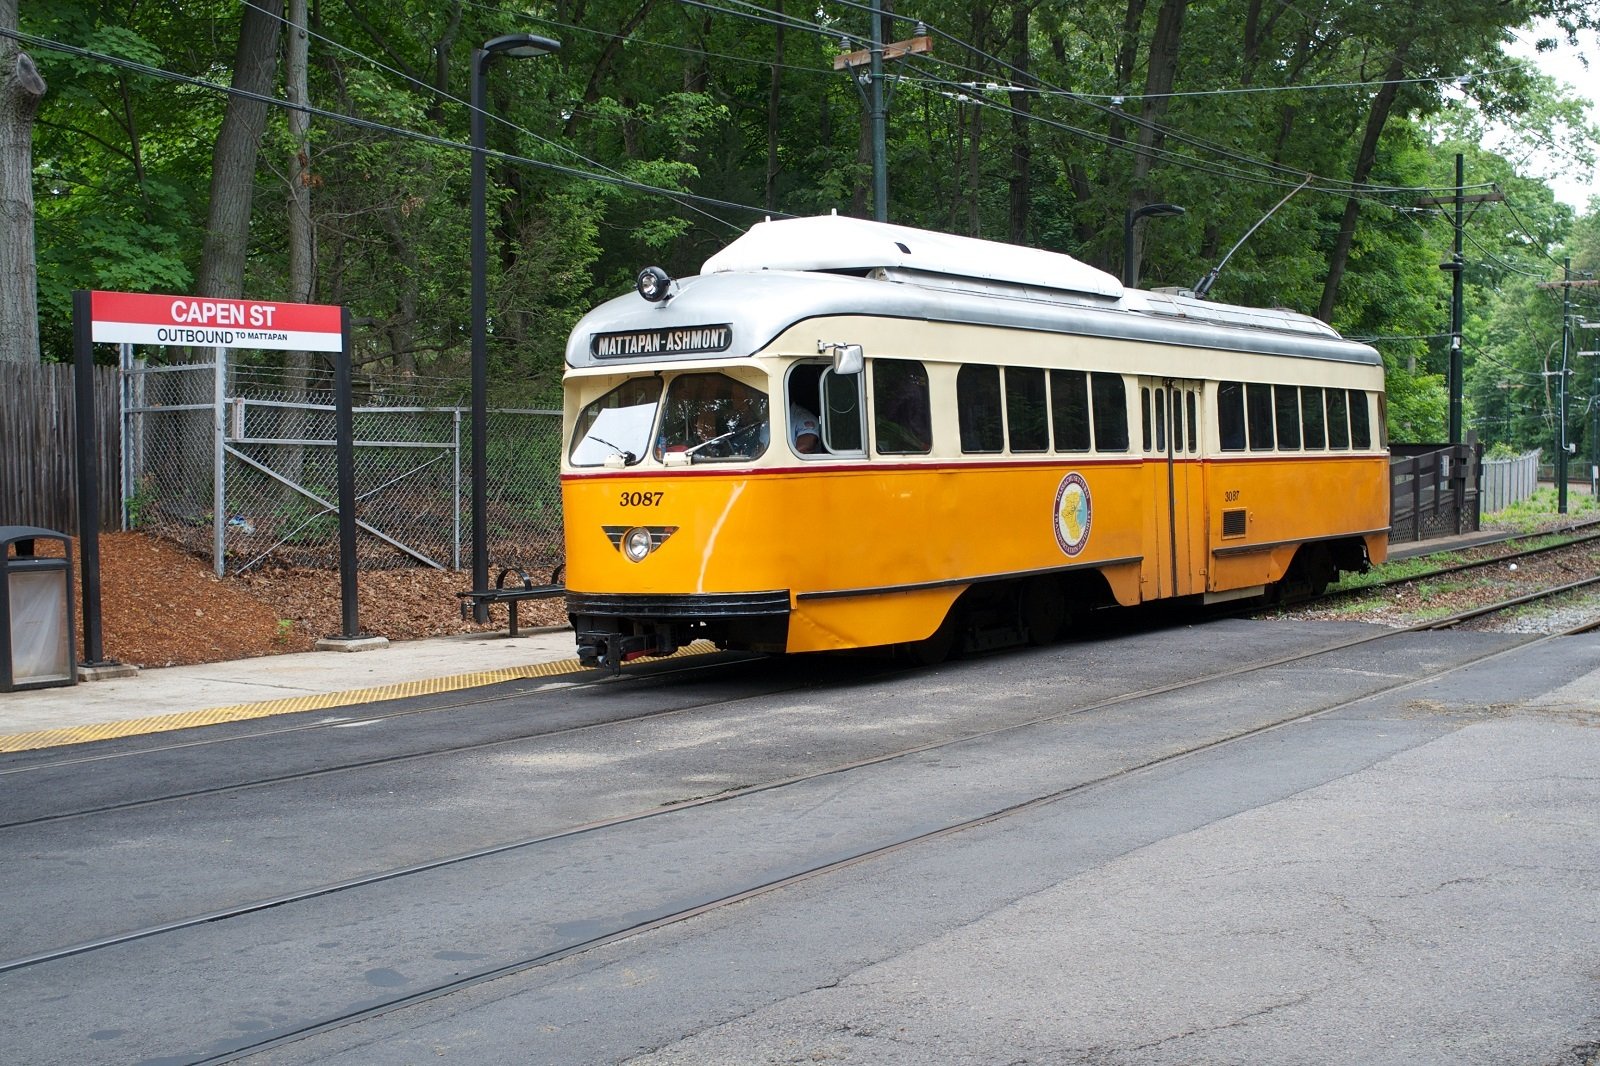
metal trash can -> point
(37, 642)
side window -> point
(1258, 406)
(1194, 445)
(1144, 415)
(1311, 417)
(1360, 420)
(978, 408)
(901, 420)
(1161, 420)
(1230, 415)
(1286, 400)
(1338, 420)
(1177, 420)
(1069, 409)
(1110, 412)
(841, 411)
(1026, 424)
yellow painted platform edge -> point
(240, 712)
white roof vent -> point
(837, 243)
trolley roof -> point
(783, 272)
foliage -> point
(660, 130)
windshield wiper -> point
(709, 443)
(627, 457)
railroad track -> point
(635, 924)
(1505, 557)
(662, 673)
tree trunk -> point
(981, 37)
(1159, 79)
(1127, 58)
(302, 235)
(21, 89)
(775, 116)
(1021, 181)
(233, 167)
(1382, 104)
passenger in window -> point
(803, 430)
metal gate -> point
(238, 463)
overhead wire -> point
(660, 45)
(758, 13)
(1330, 185)
(147, 69)
(446, 95)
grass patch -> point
(1397, 571)
(1539, 509)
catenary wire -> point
(380, 127)
(443, 94)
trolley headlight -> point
(654, 284)
(636, 543)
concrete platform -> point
(177, 697)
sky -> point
(1564, 66)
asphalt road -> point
(1311, 863)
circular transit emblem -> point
(1073, 511)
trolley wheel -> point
(1044, 611)
(1308, 577)
(934, 649)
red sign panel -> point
(209, 322)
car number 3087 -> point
(642, 499)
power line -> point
(368, 124)
(1118, 98)
(435, 90)
(661, 45)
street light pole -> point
(513, 46)
(1130, 268)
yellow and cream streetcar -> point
(846, 434)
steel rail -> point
(255, 906)
(1457, 567)
(533, 962)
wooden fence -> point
(1433, 490)
(39, 450)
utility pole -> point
(1594, 416)
(871, 86)
(1454, 266)
(1566, 285)
(1566, 334)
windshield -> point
(712, 417)
(617, 424)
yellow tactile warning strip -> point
(239, 712)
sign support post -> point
(218, 323)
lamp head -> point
(654, 284)
(1149, 210)
(521, 46)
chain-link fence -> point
(239, 464)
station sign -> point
(212, 322)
